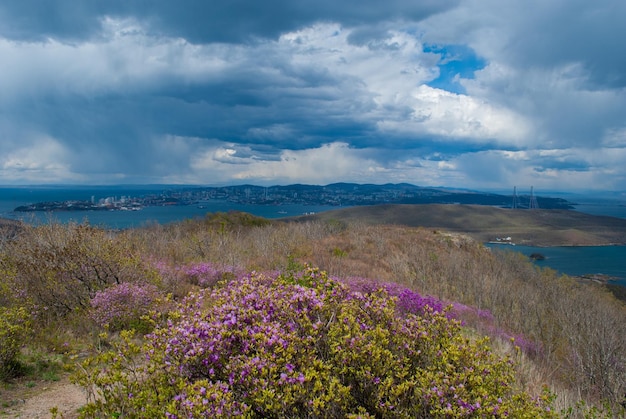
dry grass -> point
(484, 223)
(580, 328)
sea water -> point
(11, 198)
(578, 260)
(585, 260)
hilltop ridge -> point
(540, 227)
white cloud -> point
(324, 164)
(554, 169)
(389, 68)
(124, 59)
(438, 113)
(319, 165)
(39, 160)
(394, 71)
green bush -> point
(123, 306)
(303, 345)
(14, 328)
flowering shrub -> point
(14, 328)
(485, 322)
(122, 306)
(408, 301)
(61, 267)
(303, 346)
(202, 274)
(207, 274)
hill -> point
(539, 227)
(77, 282)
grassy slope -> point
(484, 223)
(555, 312)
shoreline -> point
(548, 246)
(578, 262)
(601, 279)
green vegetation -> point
(14, 327)
(303, 345)
(367, 334)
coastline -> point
(550, 245)
(572, 234)
(601, 264)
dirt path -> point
(35, 402)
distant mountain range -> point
(367, 194)
(335, 194)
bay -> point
(165, 214)
(578, 260)
(11, 198)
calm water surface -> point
(11, 198)
(578, 260)
(583, 260)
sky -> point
(479, 94)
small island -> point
(79, 206)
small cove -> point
(578, 260)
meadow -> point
(234, 315)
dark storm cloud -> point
(441, 91)
(36, 20)
(544, 34)
(202, 21)
(577, 31)
(117, 131)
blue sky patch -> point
(456, 62)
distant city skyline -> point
(338, 194)
(476, 94)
